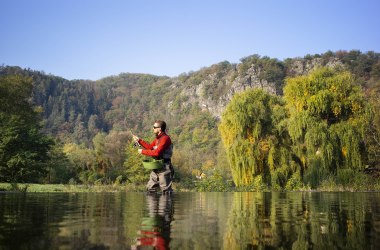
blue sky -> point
(91, 39)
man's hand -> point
(135, 138)
(139, 150)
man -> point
(160, 148)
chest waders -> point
(162, 177)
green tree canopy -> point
(327, 119)
(255, 145)
(23, 149)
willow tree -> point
(253, 136)
(327, 119)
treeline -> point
(316, 134)
(90, 121)
(91, 124)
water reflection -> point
(125, 220)
(155, 227)
(303, 220)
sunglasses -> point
(156, 127)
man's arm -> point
(143, 143)
(146, 145)
(163, 144)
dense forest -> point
(258, 124)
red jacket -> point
(158, 145)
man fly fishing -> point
(161, 149)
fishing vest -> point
(167, 153)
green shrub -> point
(346, 176)
(213, 183)
(294, 183)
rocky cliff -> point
(216, 89)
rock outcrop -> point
(215, 91)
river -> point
(247, 220)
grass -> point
(76, 188)
(359, 183)
(51, 188)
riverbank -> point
(74, 188)
(50, 188)
(77, 188)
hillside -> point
(191, 103)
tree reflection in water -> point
(303, 220)
(155, 228)
(252, 220)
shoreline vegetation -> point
(370, 185)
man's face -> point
(156, 128)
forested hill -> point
(132, 101)
(191, 103)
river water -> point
(251, 220)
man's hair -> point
(162, 125)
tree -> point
(60, 170)
(93, 126)
(83, 162)
(328, 116)
(80, 131)
(256, 146)
(23, 149)
(133, 166)
(373, 131)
